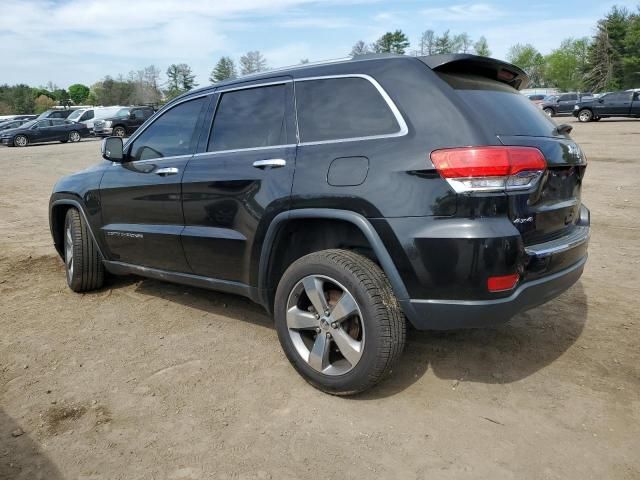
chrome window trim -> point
(404, 129)
(250, 149)
(254, 85)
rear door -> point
(635, 104)
(566, 102)
(241, 177)
(141, 199)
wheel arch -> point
(57, 214)
(269, 254)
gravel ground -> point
(148, 380)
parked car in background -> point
(44, 130)
(24, 117)
(89, 116)
(562, 104)
(325, 193)
(126, 121)
(613, 104)
(57, 113)
(537, 98)
(12, 124)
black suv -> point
(343, 197)
(126, 121)
(563, 104)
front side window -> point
(250, 118)
(342, 108)
(44, 123)
(58, 122)
(88, 115)
(173, 133)
(139, 114)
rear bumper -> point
(452, 314)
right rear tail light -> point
(490, 169)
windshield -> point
(504, 109)
(123, 113)
(76, 114)
(30, 123)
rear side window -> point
(250, 118)
(342, 108)
(500, 108)
(172, 134)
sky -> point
(81, 41)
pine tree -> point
(252, 62)
(225, 69)
(481, 47)
(392, 42)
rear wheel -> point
(585, 115)
(82, 260)
(119, 132)
(74, 136)
(20, 141)
(338, 321)
(549, 111)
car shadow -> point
(20, 455)
(503, 354)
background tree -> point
(43, 103)
(565, 66)
(530, 60)
(225, 69)
(392, 42)
(481, 47)
(61, 96)
(303, 61)
(631, 61)
(78, 93)
(180, 79)
(360, 48)
(463, 42)
(252, 62)
(427, 43)
(444, 44)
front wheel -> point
(549, 112)
(82, 260)
(74, 136)
(585, 116)
(119, 132)
(338, 321)
(20, 141)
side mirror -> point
(601, 100)
(112, 149)
(34, 127)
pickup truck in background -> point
(614, 104)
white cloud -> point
(467, 12)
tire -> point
(585, 115)
(549, 111)
(119, 131)
(74, 136)
(371, 337)
(20, 141)
(82, 260)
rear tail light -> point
(502, 283)
(489, 169)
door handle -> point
(270, 163)
(163, 172)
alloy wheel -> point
(68, 252)
(74, 136)
(325, 325)
(20, 141)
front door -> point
(141, 198)
(618, 103)
(241, 178)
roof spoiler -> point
(484, 66)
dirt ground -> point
(147, 380)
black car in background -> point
(56, 113)
(563, 103)
(123, 123)
(347, 198)
(45, 130)
(614, 104)
(12, 124)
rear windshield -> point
(501, 107)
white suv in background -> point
(89, 115)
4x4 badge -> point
(523, 220)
